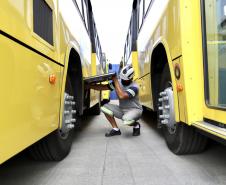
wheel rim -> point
(68, 120)
(166, 110)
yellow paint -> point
(31, 107)
(94, 64)
(192, 63)
(30, 104)
(106, 94)
(184, 38)
(135, 64)
(167, 33)
(181, 100)
(178, 28)
(94, 95)
(174, 83)
(214, 114)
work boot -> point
(136, 131)
(113, 133)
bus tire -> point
(182, 139)
(95, 110)
(186, 140)
(105, 101)
(57, 144)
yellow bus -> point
(44, 58)
(177, 48)
(106, 93)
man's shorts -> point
(129, 115)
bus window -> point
(215, 18)
(124, 56)
(146, 5)
(130, 42)
(79, 3)
(85, 15)
(104, 62)
(141, 12)
(43, 20)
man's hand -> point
(114, 78)
(120, 92)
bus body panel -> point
(82, 44)
(171, 63)
(18, 22)
(30, 105)
(193, 36)
(181, 100)
(192, 60)
(181, 30)
(76, 32)
(180, 25)
(158, 27)
(95, 95)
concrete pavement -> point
(120, 160)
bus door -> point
(214, 42)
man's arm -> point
(120, 92)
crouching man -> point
(129, 109)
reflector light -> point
(52, 79)
(180, 87)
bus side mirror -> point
(110, 66)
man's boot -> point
(136, 129)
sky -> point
(112, 19)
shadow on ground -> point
(24, 164)
(150, 119)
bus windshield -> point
(215, 46)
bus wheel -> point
(57, 145)
(95, 110)
(105, 101)
(180, 138)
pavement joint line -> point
(105, 156)
(130, 167)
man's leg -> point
(111, 120)
(130, 118)
(110, 111)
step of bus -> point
(213, 129)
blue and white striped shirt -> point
(133, 92)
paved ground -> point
(121, 160)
